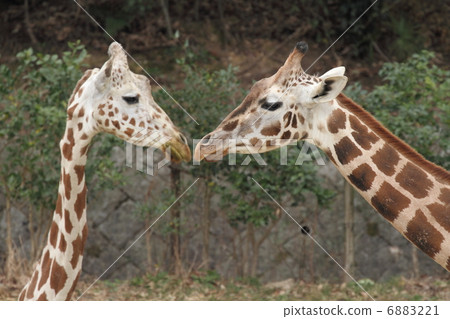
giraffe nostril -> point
(183, 138)
(205, 140)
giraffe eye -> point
(131, 99)
(271, 106)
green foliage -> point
(414, 104)
(33, 99)
(210, 278)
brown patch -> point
(67, 151)
(296, 136)
(389, 202)
(271, 130)
(110, 106)
(42, 297)
(71, 110)
(80, 203)
(444, 196)
(330, 156)
(62, 243)
(45, 268)
(385, 159)
(442, 214)
(107, 122)
(80, 126)
(83, 79)
(81, 112)
(67, 184)
(101, 112)
(58, 278)
(58, 209)
(346, 150)
(254, 141)
(67, 223)
(78, 247)
(53, 237)
(286, 135)
(301, 119)
(129, 131)
(393, 140)
(230, 125)
(133, 121)
(116, 124)
(101, 106)
(116, 110)
(448, 264)
(294, 121)
(125, 117)
(74, 284)
(287, 119)
(84, 136)
(80, 91)
(22, 295)
(79, 170)
(414, 180)
(422, 234)
(362, 177)
(32, 286)
(84, 150)
(111, 114)
(336, 121)
(142, 124)
(361, 133)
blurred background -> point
(225, 238)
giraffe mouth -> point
(177, 151)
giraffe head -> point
(277, 111)
(121, 103)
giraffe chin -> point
(176, 151)
(215, 156)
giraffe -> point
(117, 101)
(410, 192)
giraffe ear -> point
(104, 76)
(333, 82)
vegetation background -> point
(225, 239)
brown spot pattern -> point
(441, 214)
(69, 294)
(67, 223)
(301, 119)
(286, 135)
(32, 285)
(67, 184)
(414, 180)
(389, 202)
(58, 278)
(336, 121)
(346, 150)
(362, 177)
(45, 267)
(79, 170)
(133, 121)
(230, 125)
(78, 246)
(361, 133)
(53, 237)
(43, 297)
(287, 119)
(58, 209)
(444, 196)
(271, 130)
(62, 243)
(422, 234)
(80, 203)
(116, 124)
(385, 159)
(129, 131)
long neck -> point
(57, 272)
(407, 190)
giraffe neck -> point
(57, 272)
(407, 190)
